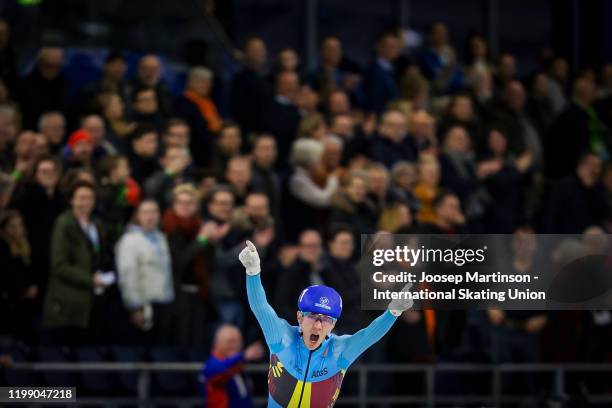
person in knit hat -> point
(79, 150)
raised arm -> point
(272, 326)
(351, 347)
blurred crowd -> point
(123, 207)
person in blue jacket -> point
(308, 362)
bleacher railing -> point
(429, 399)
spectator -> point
(335, 71)
(238, 176)
(515, 333)
(20, 289)
(9, 128)
(282, 116)
(251, 91)
(45, 88)
(504, 72)
(112, 79)
(79, 149)
(312, 126)
(118, 195)
(264, 178)
(576, 131)
(337, 103)
(197, 108)
(309, 199)
(192, 257)
(112, 109)
(379, 84)
(79, 255)
(308, 269)
(148, 76)
(422, 130)
(94, 125)
(352, 206)
(403, 180)
(144, 266)
(286, 60)
(439, 62)
(460, 112)
(142, 154)
(378, 186)
(448, 217)
(577, 201)
(174, 171)
(145, 109)
(8, 57)
(228, 145)
(519, 128)
(478, 58)
(40, 202)
(24, 153)
(395, 218)
(392, 142)
(53, 127)
(343, 276)
(415, 89)
(224, 384)
(427, 187)
(177, 134)
(506, 179)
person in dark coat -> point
(282, 115)
(251, 91)
(142, 155)
(40, 202)
(576, 131)
(19, 290)
(149, 77)
(392, 143)
(44, 89)
(74, 305)
(579, 200)
(379, 83)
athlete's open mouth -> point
(314, 338)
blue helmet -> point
(320, 299)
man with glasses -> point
(307, 362)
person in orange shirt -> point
(427, 187)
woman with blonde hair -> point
(312, 127)
(394, 218)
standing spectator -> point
(447, 217)
(427, 187)
(94, 125)
(378, 186)
(238, 176)
(177, 133)
(504, 72)
(395, 218)
(20, 289)
(282, 116)
(224, 385)
(579, 200)
(264, 178)
(118, 195)
(142, 154)
(228, 145)
(403, 180)
(192, 256)
(79, 255)
(478, 58)
(379, 84)
(111, 80)
(145, 109)
(439, 62)
(112, 109)
(251, 91)
(175, 171)
(53, 127)
(306, 270)
(79, 150)
(40, 202)
(198, 109)
(149, 76)
(45, 88)
(516, 333)
(576, 131)
(144, 266)
(351, 206)
(392, 143)
(310, 200)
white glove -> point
(250, 259)
(398, 306)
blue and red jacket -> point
(224, 386)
